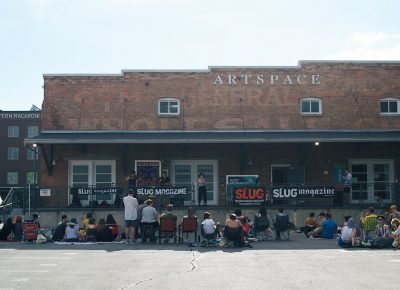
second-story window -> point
(389, 106)
(311, 106)
(13, 131)
(13, 153)
(168, 107)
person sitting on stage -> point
(209, 230)
(164, 180)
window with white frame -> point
(12, 177)
(13, 131)
(311, 106)
(389, 106)
(168, 107)
(13, 153)
(33, 131)
(86, 173)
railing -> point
(62, 197)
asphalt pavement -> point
(300, 263)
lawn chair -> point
(234, 236)
(282, 226)
(260, 227)
(148, 232)
(368, 228)
(188, 225)
(166, 229)
(30, 230)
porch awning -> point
(250, 136)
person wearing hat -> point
(71, 231)
(393, 213)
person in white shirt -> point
(131, 206)
(209, 229)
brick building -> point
(18, 163)
(264, 121)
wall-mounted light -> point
(316, 143)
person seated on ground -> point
(209, 230)
(190, 214)
(262, 222)
(111, 223)
(71, 231)
(370, 215)
(59, 232)
(310, 224)
(103, 233)
(277, 232)
(244, 220)
(169, 215)
(36, 217)
(89, 234)
(85, 222)
(382, 232)
(316, 233)
(7, 230)
(233, 231)
(18, 229)
(392, 214)
(329, 227)
(395, 233)
(63, 217)
(348, 232)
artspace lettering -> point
(271, 79)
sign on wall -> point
(248, 195)
(162, 190)
(148, 172)
(45, 192)
(303, 191)
(238, 180)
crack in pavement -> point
(192, 263)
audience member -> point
(90, 233)
(18, 229)
(85, 222)
(103, 233)
(36, 217)
(348, 234)
(244, 220)
(164, 180)
(169, 215)
(209, 228)
(393, 213)
(149, 214)
(317, 232)
(329, 227)
(59, 232)
(7, 229)
(71, 231)
(233, 231)
(396, 233)
(310, 224)
(190, 214)
(261, 221)
(63, 217)
(131, 205)
(382, 238)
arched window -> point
(168, 107)
(311, 106)
(389, 106)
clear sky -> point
(104, 36)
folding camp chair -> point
(188, 225)
(30, 230)
(235, 236)
(167, 227)
(282, 226)
(114, 228)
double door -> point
(186, 172)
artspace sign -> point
(290, 192)
(270, 79)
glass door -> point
(185, 173)
(372, 180)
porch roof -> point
(234, 136)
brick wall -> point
(350, 94)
